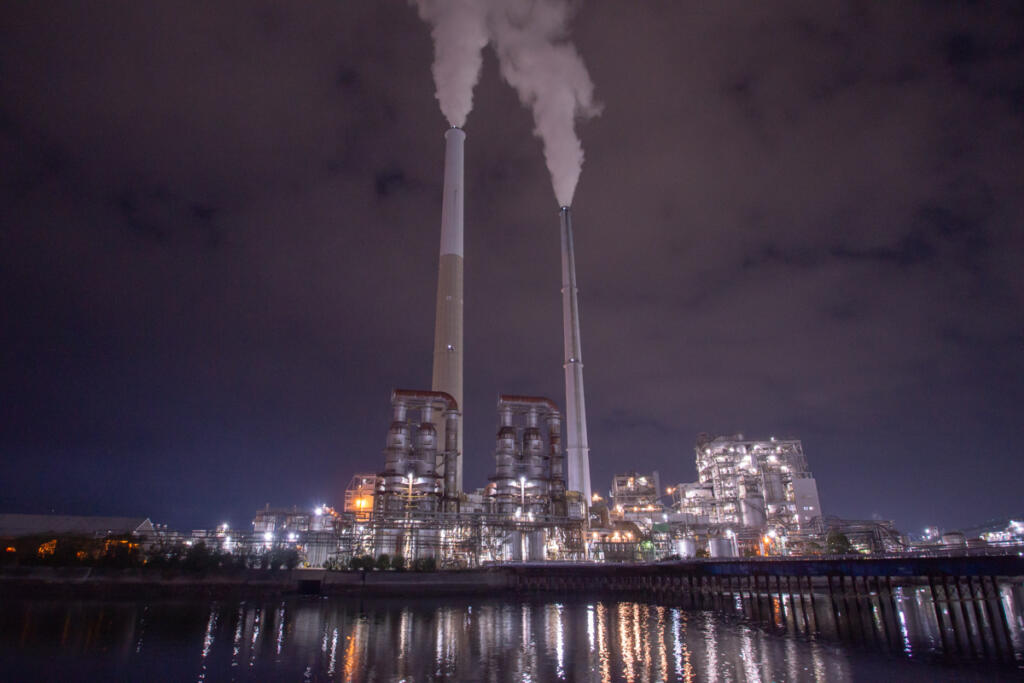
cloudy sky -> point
(219, 229)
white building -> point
(750, 483)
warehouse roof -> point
(13, 525)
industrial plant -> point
(751, 496)
(535, 504)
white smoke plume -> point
(549, 76)
(459, 29)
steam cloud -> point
(460, 34)
(550, 77)
(535, 58)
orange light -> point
(11, 549)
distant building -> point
(635, 495)
(750, 483)
(313, 533)
(14, 526)
(695, 502)
(359, 496)
(43, 531)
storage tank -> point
(535, 541)
(514, 547)
(720, 547)
(686, 548)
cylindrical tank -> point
(536, 541)
(555, 447)
(720, 547)
(514, 549)
(686, 548)
(533, 445)
(506, 452)
(451, 431)
(425, 452)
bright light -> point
(771, 533)
(319, 510)
(224, 526)
(268, 536)
(291, 537)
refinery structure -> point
(751, 497)
(538, 503)
(534, 506)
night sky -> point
(219, 232)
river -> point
(318, 638)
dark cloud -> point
(386, 183)
(218, 244)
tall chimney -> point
(447, 375)
(575, 407)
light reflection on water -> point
(342, 639)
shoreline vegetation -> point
(78, 566)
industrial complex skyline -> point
(220, 237)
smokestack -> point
(447, 375)
(575, 407)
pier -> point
(970, 606)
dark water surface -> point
(349, 639)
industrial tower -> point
(447, 375)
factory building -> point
(535, 504)
(750, 483)
(524, 512)
(359, 496)
(635, 495)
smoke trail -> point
(460, 34)
(550, 77)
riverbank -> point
(693, 577)
(90, 582)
